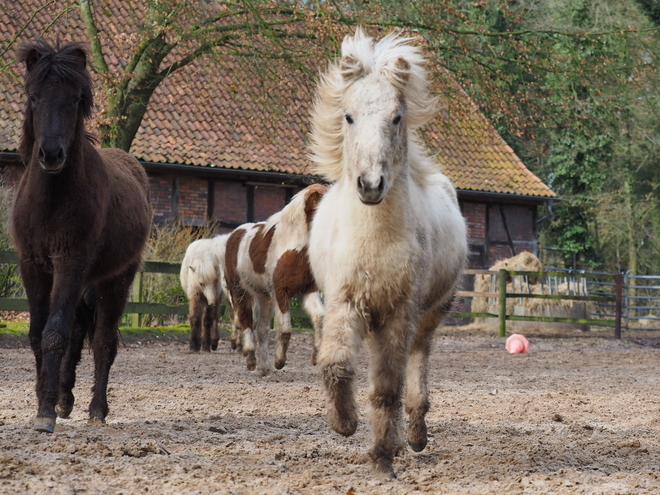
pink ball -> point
(517, 343)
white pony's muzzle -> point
(371, 188)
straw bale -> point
(526, 306)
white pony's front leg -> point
(416, 398)
(389, 352)
(337, 359)
(316, 311)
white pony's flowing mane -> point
(396, 59)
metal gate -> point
(641, 301)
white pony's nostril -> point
(360, 184)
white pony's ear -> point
(397, 71)
(350, 68)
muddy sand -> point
(578, 414)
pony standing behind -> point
(203, 280)
(388, 242)
(266, 266)
(80, 220)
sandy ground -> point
(579, 414)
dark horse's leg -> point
(55, 338)
(196, 307)
(81, 326)
(37, 285)
(112, 295)
(210, 328)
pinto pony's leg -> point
(261, 331)
(315, 309)
(283, 322)
(235, 337)
(337, 360)
(112, 295)
(416, 397)
(196, 311)
(389, 350)
(244, 316)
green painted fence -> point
(137, 306)
(502, 295)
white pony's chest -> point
(352, 254)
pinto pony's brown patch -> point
(259, 248)
(292, 276)
(241, 299)
(313, 197)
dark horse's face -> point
(59, 93)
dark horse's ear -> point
(30, 55)
(80, 56)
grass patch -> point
(14, 334)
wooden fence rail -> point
(502, 295)
(139, 307)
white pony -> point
(265, 267)
(203, 281)
(388, 242)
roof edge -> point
(469, 194)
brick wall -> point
(229, 201)
(268, 200)
(193, 197)
(475, 218)
(160, 188)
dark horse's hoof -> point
(65, 405)
(214, 345)
(45, 425)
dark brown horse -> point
(80, 220)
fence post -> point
(618, 305)
(502, 298)
(136, 319)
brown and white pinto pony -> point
(266, 265)
(203, 280)
(388, 242)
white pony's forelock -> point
(360, 56)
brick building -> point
(222, 145)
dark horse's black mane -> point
(67, 64)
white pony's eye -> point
(349, 119)
(397, 120)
